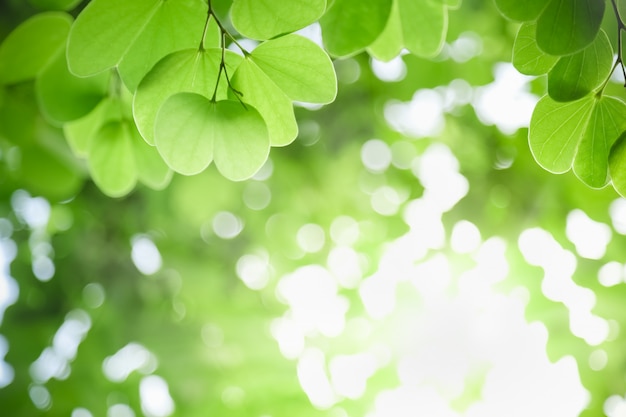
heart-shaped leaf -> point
(299, 67)
(424, 26)
(191, 131)
(271, 102)
(189, 70)
(522, 11)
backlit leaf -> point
(63, 96)
(188, 70)
(241, 142)
(299, 67)
(390, 43)
(349, 26)
(567, 26)
(104, 31)
(269, 18)
(424, 26)
(191, 131)
(270, 101)
(575, 76)
(522, 11)
(32, 45)
(527, 57)
(175, 26)
(607, 121)
(111, 159)
(556, 130)
(185, 131)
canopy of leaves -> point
(203, 212)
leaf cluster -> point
(576, 125)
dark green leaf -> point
(567, 26)
(32, 45)
(349, 26)
(575, 76)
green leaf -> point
(527, 57)
(522, 11)
(349, 26)
(62, 96)
(452, 4)
(175, 26)
(567, 26)
(32, 45)
(266, 19)
(556, 130)
(55, 4)
(617, 165)
(111, 159)
(78, 133)
(151, 169)
(390, 43)
(191, 131)
(299, 67)
(104, 31)
(575, 76)
(185, 131)
(270, 101)
(189, 70)
(606, 122)
(241, 142)
(424, 26)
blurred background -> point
(405, 256)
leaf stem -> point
(620, 60)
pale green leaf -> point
(424, 26)
(111, 159)
(189, 70)
(270, 101)
(299, 67)
(349, 26)
(104, 31)
(567, 26)
(185, 131)
(78, 133)
(241, 142)
(390, 43)
(617, 165)
(175, 26)
(556, 130)
(191, 131)
(32, 45)
(575, 76)
(527, 57)
(606, 122)
(62, 96)
(522, 11)
(266, 19)
(151, 168)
